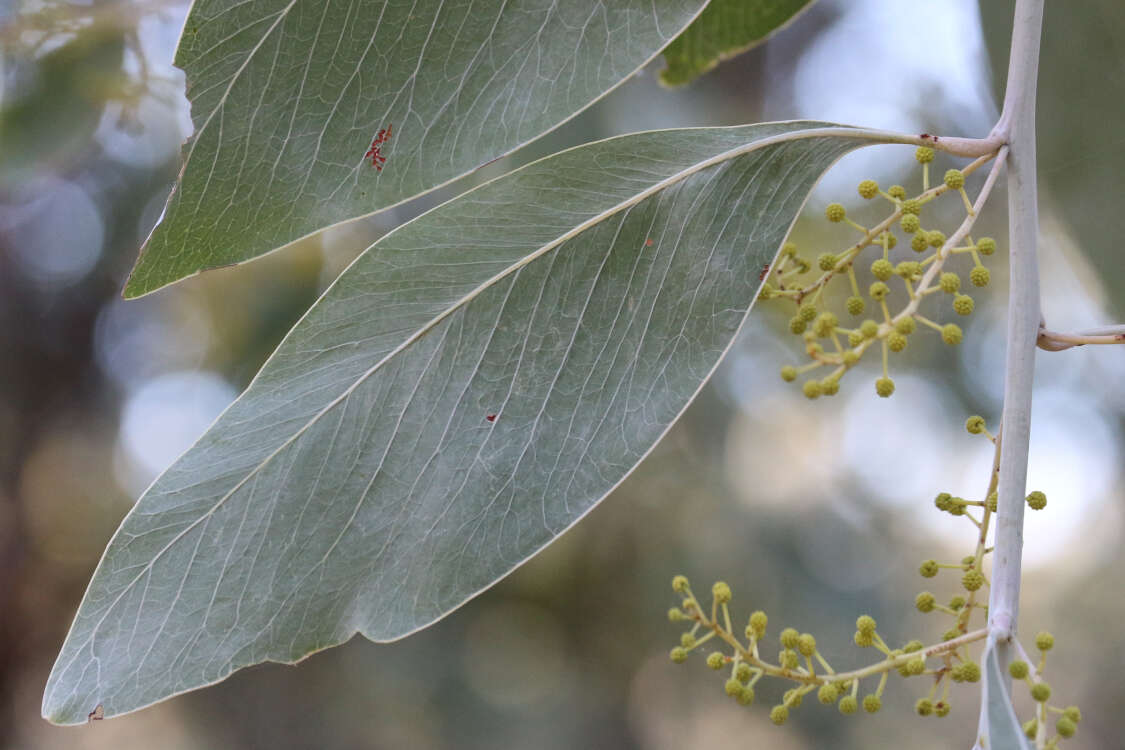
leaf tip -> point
(66, 703)
(136, 285)
(670, 79)
(66, 713)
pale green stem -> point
(1018, 122)
(1017, 128)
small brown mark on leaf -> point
(376, 150)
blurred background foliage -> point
(815, 512)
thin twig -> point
(871, 235)
(807, 677)
(1055, 341)
(946, 250)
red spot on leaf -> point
(490, 418)
(648, 242)
(97, 714)
(764, 273)
(375, 153)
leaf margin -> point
(680, 72)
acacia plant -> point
(483, 375)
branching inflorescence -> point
(943, 662)
(789, 278)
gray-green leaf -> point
(725, 29)
(287, 96)
(470, 387)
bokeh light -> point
(161, 420)
(55, 235)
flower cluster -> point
(948, 660)
(1037, 728)
(964, 603)
(800, 662)
(830, 343)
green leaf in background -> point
(1004, 729)
(288, 96)
(50, 106)
(469, 387)
(725, 29)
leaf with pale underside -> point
(725, 29)
(469, 388)
(288, 95)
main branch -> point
(1017, 127)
